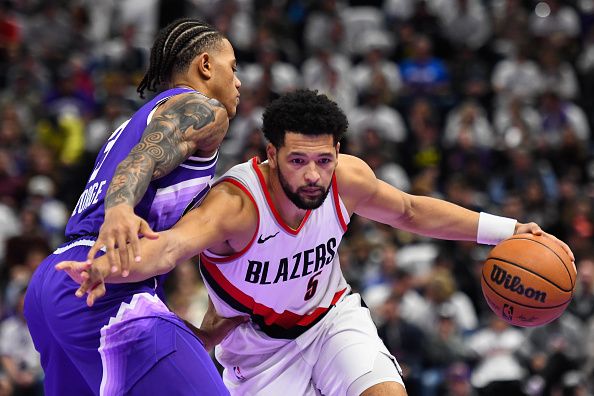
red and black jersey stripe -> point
(286, 325)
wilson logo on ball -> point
(514, 284)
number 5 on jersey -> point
(312, 286)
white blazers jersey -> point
(286, 279)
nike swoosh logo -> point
(262, 240)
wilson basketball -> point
(528, 280)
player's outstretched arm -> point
(181, 126)
(225, 218)
(370, 197)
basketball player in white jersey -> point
(268, 235)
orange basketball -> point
(528, 280)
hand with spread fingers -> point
(91, 277)
(121, 230)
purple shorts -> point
(128, 343)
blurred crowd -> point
(486, 103)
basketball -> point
(528, 280)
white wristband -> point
(494, 229)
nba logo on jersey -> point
(508, 312)
(238, 374)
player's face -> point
(225, 84)
(305, 165)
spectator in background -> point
(582, 304)
(124, 54)
(551, 18)
(516, 77)
(443, 296)
(470, 76)
(269, 76)
(12, 183)
(10, 226)
(498, 372)
(510, 21)
(444, 346)
(19, 358)
(516, 125)
(233, 18)
(552, 350)
(585, 67)
(239, 138)
(376, 73)
(458, 381)
(52, 213)
(559, 117)
(557, 74)
(381, 156)
(330, 72)
(188, 297)
(112, 115)
(403, 339)
(12, 133)
(423, 74)
(465, 23)
(324, 26)
(588, 368)
(523, 168)
(375, 114)
(24, 253)
(467, 124)
(422, 149)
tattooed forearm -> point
(130, 181)
(185, 126)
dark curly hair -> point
(303, 111)
(175, 47)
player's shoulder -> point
(231, 197)
(192, 101)
(355, 178)
(353, 170)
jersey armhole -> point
(217, 259)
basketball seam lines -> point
(534, 273)
(555, 253)
(524, 305)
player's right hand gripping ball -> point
(528, 280)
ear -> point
(271, 153)
(202, 65)
(337, 148)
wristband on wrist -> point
(494, 229)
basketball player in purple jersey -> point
(130, 343)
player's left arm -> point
(367, 196)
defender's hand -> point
(120, 228)
(91, 277)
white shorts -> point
(325, 360)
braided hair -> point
(174, 49)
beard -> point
(302, 203)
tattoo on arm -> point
(170, 138)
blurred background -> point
(486, 103)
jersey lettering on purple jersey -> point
(165, 200)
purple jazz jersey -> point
(166, 199)
(128, 342)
